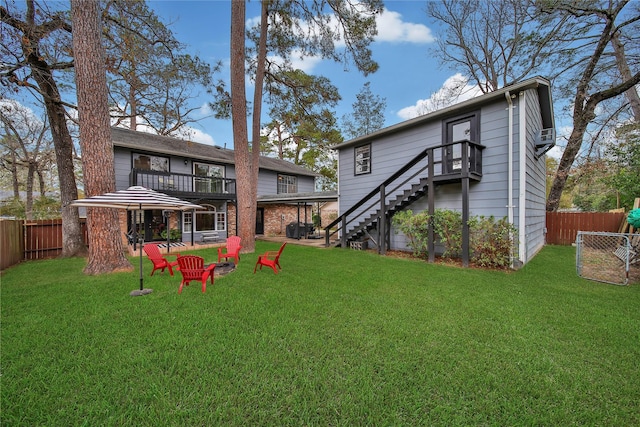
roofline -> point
(209, 159)
(470, 104)
(170, 152)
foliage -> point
(147, 72)
(624, 162)
(416, 228)
(587, 49)
(286, 29)
(26, 149)
(303, 126)
(338, 337)
(367, 116)
(447, 225)
(589, 188)
(36, 54)
(44, 207)
(492, 243)
(174, 234)
(496, 42)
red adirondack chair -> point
(159, 261)
(270, 259)
(192, 268)
(232, 249)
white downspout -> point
(507, 95)
(522, 202)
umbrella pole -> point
(166, 227)
(141, 279)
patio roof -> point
(320, 196)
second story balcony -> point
(185, 186)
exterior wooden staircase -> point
(370, 217)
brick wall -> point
(278, 216)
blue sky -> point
(407, 78)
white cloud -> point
(454, 90)
(205, 110)
(391, 28)
(196, 135)
(298, 62)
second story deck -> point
(185, 186)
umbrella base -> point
(139, 292)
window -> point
(187, 221)
(210, 220)
(208, 178)
(287, 184)
(363, 159)
(149, 162)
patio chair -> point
(270, 259)
(158, 260)
(192, 268)
(230, 250)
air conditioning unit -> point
(545, 141)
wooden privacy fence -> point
(563, 227)
(27, 240)
(11, 243)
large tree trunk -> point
(564, 166)
(255, 129)
(246, 204)
(106, 253)
(625, 72)
(28, 206)
(72, 239)
(585, 103)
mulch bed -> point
(450, 262)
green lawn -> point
(338, 338)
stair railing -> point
(375, 197)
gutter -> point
(523, 179)
(510, 206)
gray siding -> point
(268, 183)
(489, 197)
(535, 209)
(122, 166)
(267, 179)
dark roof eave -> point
(325, 196)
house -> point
(484, 156)
(205, 175)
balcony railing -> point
(184, 185)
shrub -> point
(416, 228)
(174, 234)
(492, 242)
(447, 226)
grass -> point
(337, 338)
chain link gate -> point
(608, 257)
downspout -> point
(510, 206)
(522, 197)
